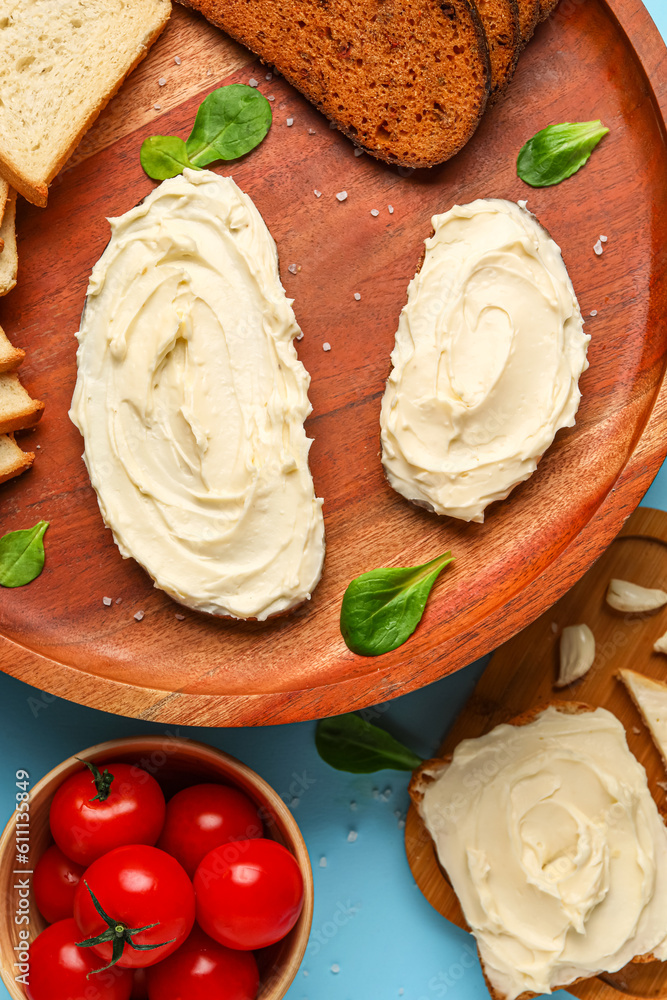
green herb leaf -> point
(22, 555)
(164, 156)
(230, 122)
(557, 152)
(381, 609)
(349, 743)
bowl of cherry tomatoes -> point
(152, 868)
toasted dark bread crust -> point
(406, 80)
(500, 20)
(529, 16)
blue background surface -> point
(371, 922)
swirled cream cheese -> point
(191, 402)
(488, 354)
(555, 849)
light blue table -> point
(374, 936)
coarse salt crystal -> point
(318, 194)
(180, 618)
(177, 60)
(326, 346)
(209, 72)
(335, 968)
(594, 312)
(604, 238)
(390, 209)
(157, 107)
(305, 972)
(292, 268)
(323, 862)
(352, 836)
(269, 76)
(357, 296)
(299, 336)
(139, 615)
(341, 196)
(311, 131)
(598, 248)
(252, 82)
(522, 204)
(106, 601)
(290, 121)
(119, 600)
(162, 81)
(39, 446)
(374, 213)
(270, 97)
(358, 152)
(387, 792)
(401, 824)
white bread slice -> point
(13, 461)
(61, 61)
(4, 194)
(10, 356)
(17, 408)
(650, 698)
(9, 258)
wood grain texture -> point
(57, 634)
(521, 675)
(175, 762)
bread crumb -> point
(177, 60)
(106, 601)
(352, 836)
(180, 618)
(358, 152)
(326, 346)
(290, 121)
(594, 312)
(390, 209)
(342, 195)
(162, 81)
(323, 862)
(292, 268)
(252, 82)
(157, 107)
(139, 616)
(598, 248)
(318, 194)
(335, 968)
(357, 296)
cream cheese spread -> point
(555, 849)
(191, 401)
(488, 354)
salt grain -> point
(311, 131)
(269, 76)
(352, 836)
(390, 209)
(318, 194)
(594, 312)
(157, 107)
(270, 97)
(292, 268)
(326, 346)
(323, 862)
(252, 82)
(401, 992)
(374, 213)
(401, 824)
(290, 121)
(342, 195)
(177, 60)
(209, 72)
(106, 601)
(139, 615)
(180, 618)
(39, 446)
(604, 239)
(305, 972)
(119, 600)
(162, 81)
(358, 152)
(522, 204)
(335, 968)
(387, 792)
(598, 248)
(357, 296)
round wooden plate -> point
(599, 58)
(521, 675)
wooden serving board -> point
(599, 58)
(521, 675)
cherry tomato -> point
(249, 894)
(93, 813)
(203, 817)
(202, 969)
(54, 884)
(58, 969)
(135, 886)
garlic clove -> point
(630, 597)
(577, 652)
(660, 645)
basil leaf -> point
(349, 743)
(164, 156)
(381, 609)
(230, 122)
(22, 555)
(557, 152)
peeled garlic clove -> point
(660, 645)
(577, 652)
(630, 597)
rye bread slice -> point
(429, 771)
(500, 20)
(529, 15)
(406, 80)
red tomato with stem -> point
(93, 812)
(58, 969)
(249, 894)
(202, 969)
(54, 884)
(203, 817)
(134, 906)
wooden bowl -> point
(176, 763)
